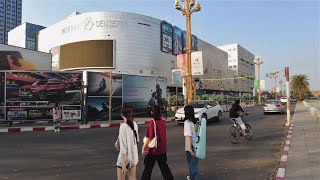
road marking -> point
(281, 172)
(284, 158)
(286, 148)
(289, 136)
(26, 129)
(288, 142)
(105, 125)
(85, 126)
(3, 130)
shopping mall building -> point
(134, 44)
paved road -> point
(89, 154)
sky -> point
(285, 33)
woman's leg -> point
(120, 175)
(165, 170)
(149, 162)
(193, 167)
(132, 173)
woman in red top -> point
(159, 152)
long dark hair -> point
(128, 113)
(189, 114)
(156, 112)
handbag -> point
(153, 143)
(117, 145)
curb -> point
(284, 157)
(68, 127)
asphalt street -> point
(90, 153)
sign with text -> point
(166, 37)
(182, 63)
(262, 84)
(197, 63)
(176, 77)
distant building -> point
(10, 17)
(25, 36)
(240, 61)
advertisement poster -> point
(55, 51)
(166, 37)
(177, 40)
(2, 83)
(194, 42)
(43, 88)
(2, 113)
(99, 84)
(14, 58)
(140, 92)
(71, 112)
(29, 113)
(98, 108)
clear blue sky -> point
(283, 32)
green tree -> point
(300, 86)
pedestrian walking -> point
(156, 135)
(190, 142)
(128, 142)
(57, 116)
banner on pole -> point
(176, 77)
(196, 63)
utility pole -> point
(288, 95)
(190, 7)
(258, 61)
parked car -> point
(283, 99)
(202, 109)
(43, 88)
(273, 106)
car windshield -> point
(197, 104)
(272, 102)
(39, 83)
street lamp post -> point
(274, 75)
(189, 8)
(281, 82)
(258, 61)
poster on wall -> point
(15, 58)
(141, 92)
(99, 84)
(71, 112)
(98, 108)
(29, 113)
(2, 83)
(194, 42)
(2, 113)
(166, 37)
(43, 88)
(177, 40)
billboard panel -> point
(99, 84)
(140, 92)
(166, 37)
(98, 108)
(15, 58)
(194, 42)
(2, 83)
(177, 40)
(88, 54)
(43, 88)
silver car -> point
(273, 106)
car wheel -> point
(42, 96)
(204, 116)
(219, 118)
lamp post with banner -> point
(190, 7)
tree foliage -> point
(300, 87)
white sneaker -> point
(188, 178)
(58, 130)
(55, 130)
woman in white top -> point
(128, 140)
(56, 113)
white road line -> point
(26, 129)
(281, 172)
(104, 125)
(85, 126)
(284, 158)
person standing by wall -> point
(157, 128)
(128, 142)
(190, 142)
(56, 114)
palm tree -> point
(299, 86)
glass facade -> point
(10, 17)
(32, 31)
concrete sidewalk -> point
(303, 161)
